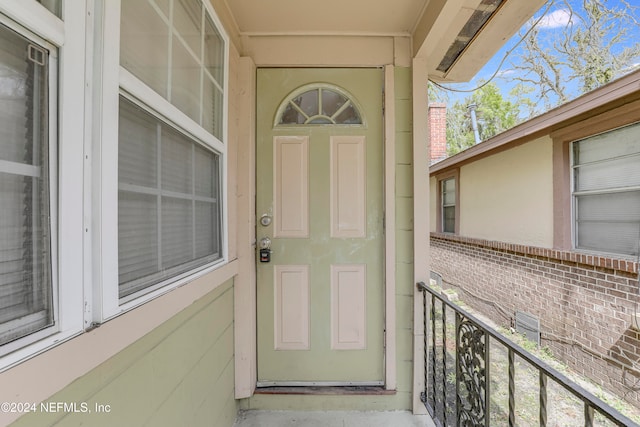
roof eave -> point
(624, 89)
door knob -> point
(265, 243)
(265, 249)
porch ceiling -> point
(433, 26)
(327, 16)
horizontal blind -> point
(607, 191)
(168, 203)
(25, 241)
(449, 205)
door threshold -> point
(326, 390)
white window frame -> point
(117, 81)
(65, 39)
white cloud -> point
(505, 72)
(629, 69)
(556, 19)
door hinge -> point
(384, 339)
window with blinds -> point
(606, 191)
(26, 286)
(169, 219)
(169, 172)
(448, 205)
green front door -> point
(319, 203)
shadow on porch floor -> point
(259, 418)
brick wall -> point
(585, 303)
(438, 131)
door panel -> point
(291, 326)
(291, 189)
(320, 298)
(348, 307)
(348, 186)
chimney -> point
(438, 131)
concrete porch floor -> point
(260, 418)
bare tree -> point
(591, 49)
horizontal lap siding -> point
(404, 237)
(181, 373)
(585, 305)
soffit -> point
(326, 16)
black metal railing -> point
(475, 376)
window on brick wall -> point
(606, 191)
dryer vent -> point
(528, 325)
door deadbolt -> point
(265, 220)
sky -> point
(553, 22)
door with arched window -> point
(319, 202)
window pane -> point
(144, 44)
(25, 240)
(177, 231)
(185, 82)
(54, 6)
(137, 236)
(212, 98)
(449, 219)
(214, 51)
(138, 149)
(187, 18)
(616, 173)
(170, 227)
(291, 116)
(449, 192)
(320, 121)
(176, 162)
(206, 173)
(618, 238)
(331, 102)
(152, 31)
(308, 102)
(206, 226)
(349, 116)
(164, 6)
(617, 143)
(609, 222)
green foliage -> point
(494, 113)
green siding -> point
(404, 233)
(402, 400)
(180, 374)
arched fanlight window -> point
(318, 105)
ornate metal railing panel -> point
(458, 357)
